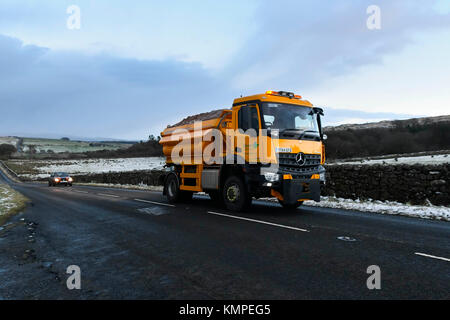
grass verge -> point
(11, 202)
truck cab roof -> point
(273, 96)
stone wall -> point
(11, 175)
(403, 183)
(151, 178)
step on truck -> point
(266, 145)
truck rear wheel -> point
(173, 192)
(235, 195)
(172, 189)
(290, 206)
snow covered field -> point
(36, 169)
(9, 140)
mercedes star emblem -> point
(300, 158)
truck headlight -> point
(322, 176)
(270, 176)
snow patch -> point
(385, 207)
(429, 159)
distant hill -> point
(390, 123)
(388, 137)
(45, 147)
(57, 136)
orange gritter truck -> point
(266, 145)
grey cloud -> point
(302, 43)
(51, 91)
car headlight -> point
(70, 179)
(270, 176)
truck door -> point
(249, 124)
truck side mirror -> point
(318, 110)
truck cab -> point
(272, 146)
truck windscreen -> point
(283, 116)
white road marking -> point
(430, 256)
(108, 195)
(153, 202)
(258, 221)
(82, 191)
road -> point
(132, 245)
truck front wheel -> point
(235, 195)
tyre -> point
(173, 192)
(290, 206)
(50, 184)
(172, 189)
(235, 195)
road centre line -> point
(108, 195)
(154, 202)
(258, 221)
(431, 256)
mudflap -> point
(296, 189)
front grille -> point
(288, 159)
(288, 165)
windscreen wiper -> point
(306, 131)
(300, 133)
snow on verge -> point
(385, 207)
(428, 159)
(124, 186)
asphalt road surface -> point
(133, 245)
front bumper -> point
(294, 190)
(289, 190)
(62, 182)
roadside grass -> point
(11, 202)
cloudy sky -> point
(135, 66)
